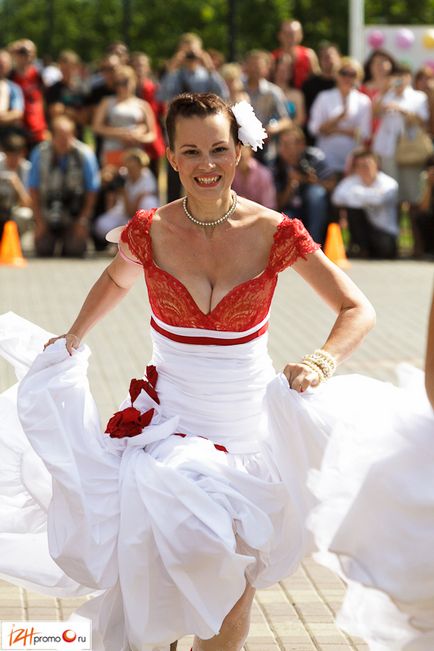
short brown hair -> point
(295, 130)
(63, 122)
(363, 152)
(69, 56)
(138, 155)
(126, 71)
(190, 39)
(14, 142)
(188, 105)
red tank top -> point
(243, 307)
(34, 117)
(302, 66)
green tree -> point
(154, 26)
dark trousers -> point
(367, 240)
(314, 210)
(71, 246)
(3, 221)
(423, 223)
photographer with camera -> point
(303, 182)
(131, 188)
(64, 181)
(190, 70)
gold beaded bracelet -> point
(322, 362)
(315, 368)
(328, 365)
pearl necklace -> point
(215, 222)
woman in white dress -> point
(205, 151)
(197, 495)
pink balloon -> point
(429, 64)
(404, 38)
(376, 38)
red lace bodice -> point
(243, 307)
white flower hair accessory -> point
(250, 131)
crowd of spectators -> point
(82, 146)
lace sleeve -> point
(291, 242)
(136, 235)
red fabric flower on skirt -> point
(147, 385)
(128, 422)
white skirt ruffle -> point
(159, 523)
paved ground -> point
(297, 614)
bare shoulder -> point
(168, 213)
(263, 218)
(104, 103)
(143, 104)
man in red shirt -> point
(28, 77)
(305, 61)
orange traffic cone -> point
(334, 246)
(10, 247)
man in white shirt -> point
(371, 201)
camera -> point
(118, 181)
(305, 168)
(62, 208)
(191, 56)
(55, 214)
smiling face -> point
(205, 155)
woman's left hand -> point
(301, 377)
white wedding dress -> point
(214, 472)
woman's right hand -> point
(72, 342)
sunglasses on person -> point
(121, 82)
(348, 73)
